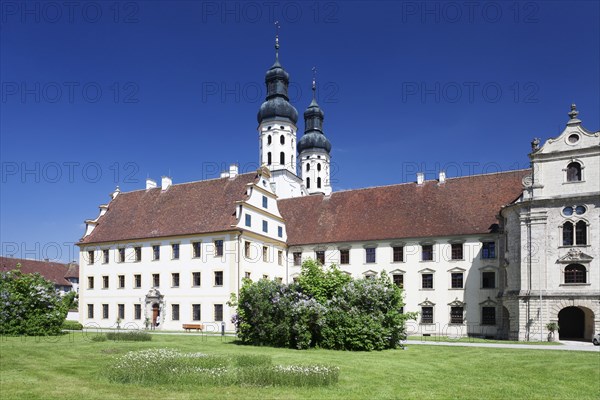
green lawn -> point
(72, 367)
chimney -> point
(442, 177)
(150, 183)
(166, 182)
(233, 171)
(420, 178)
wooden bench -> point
(189, 327)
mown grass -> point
(74, 367)
(466, 339)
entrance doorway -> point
(571, 323)
(155, 315)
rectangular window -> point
(427, 281)
(345, 256)
(196, 279)
(137, 311)
(265, 277)
(265, 226)
(488, 280)
(105, 257)
(175, 251)
(218, 248)
(265, 202)
(121, 311)
(457, 251)
(175, 279)
(105, 311)
(280, 257)
(156, 252)
(320, 255)
(398, 253)
(121, 281)
(218, 312)
(155, 280)
(370, 254)
(175, 312)
(247, 249)
(279, 231)
(398, 280)
(137, 281)
(279, 280)
(122, 255)
(105, 282)
(196, 312)
(90, 257)
(427, 252)
(248, 220)
(456, 315)
(297, 258)
(488, 250)
(90, 311)
(138, 253)
(218, 278)
(265, 254)
(196, 249)
(488, 315)
(427, 315)
(457, 280)
(247, 275)
(90, 282)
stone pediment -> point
(575, 256)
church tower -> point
(314, 149)
(277, 120)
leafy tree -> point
(320, 283)
(30, 305)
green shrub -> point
(30, 305)
(251, 360)
(72, 325)
(131, 336)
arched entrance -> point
(571, 323)
(155, 315)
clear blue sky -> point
(100, 94)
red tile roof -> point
(460, 206)
(52, 271)
(187, 208)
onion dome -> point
(313, 137)
(277, 105)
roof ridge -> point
(430, 180)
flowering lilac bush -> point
(30, 305)
(326, 309)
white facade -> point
(552, 255)
(314, 166)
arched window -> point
(269, 139)
(307, 167)
(282, 139)
(575, 273)
(318, 166)
(581, 232)
(567, 232)
(308, 183)
(319, 183)
(574, 172)
(282, 158)
(269, 158)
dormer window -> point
(574, 172)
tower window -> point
(318, 166)
(269, 138)
(575, 273)
(567, 233)
(319, 183)
(574, 172)
(308, 183)
(282, 139)
(307, 167)
(282, 158)
(269, 158)
(580, 233)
